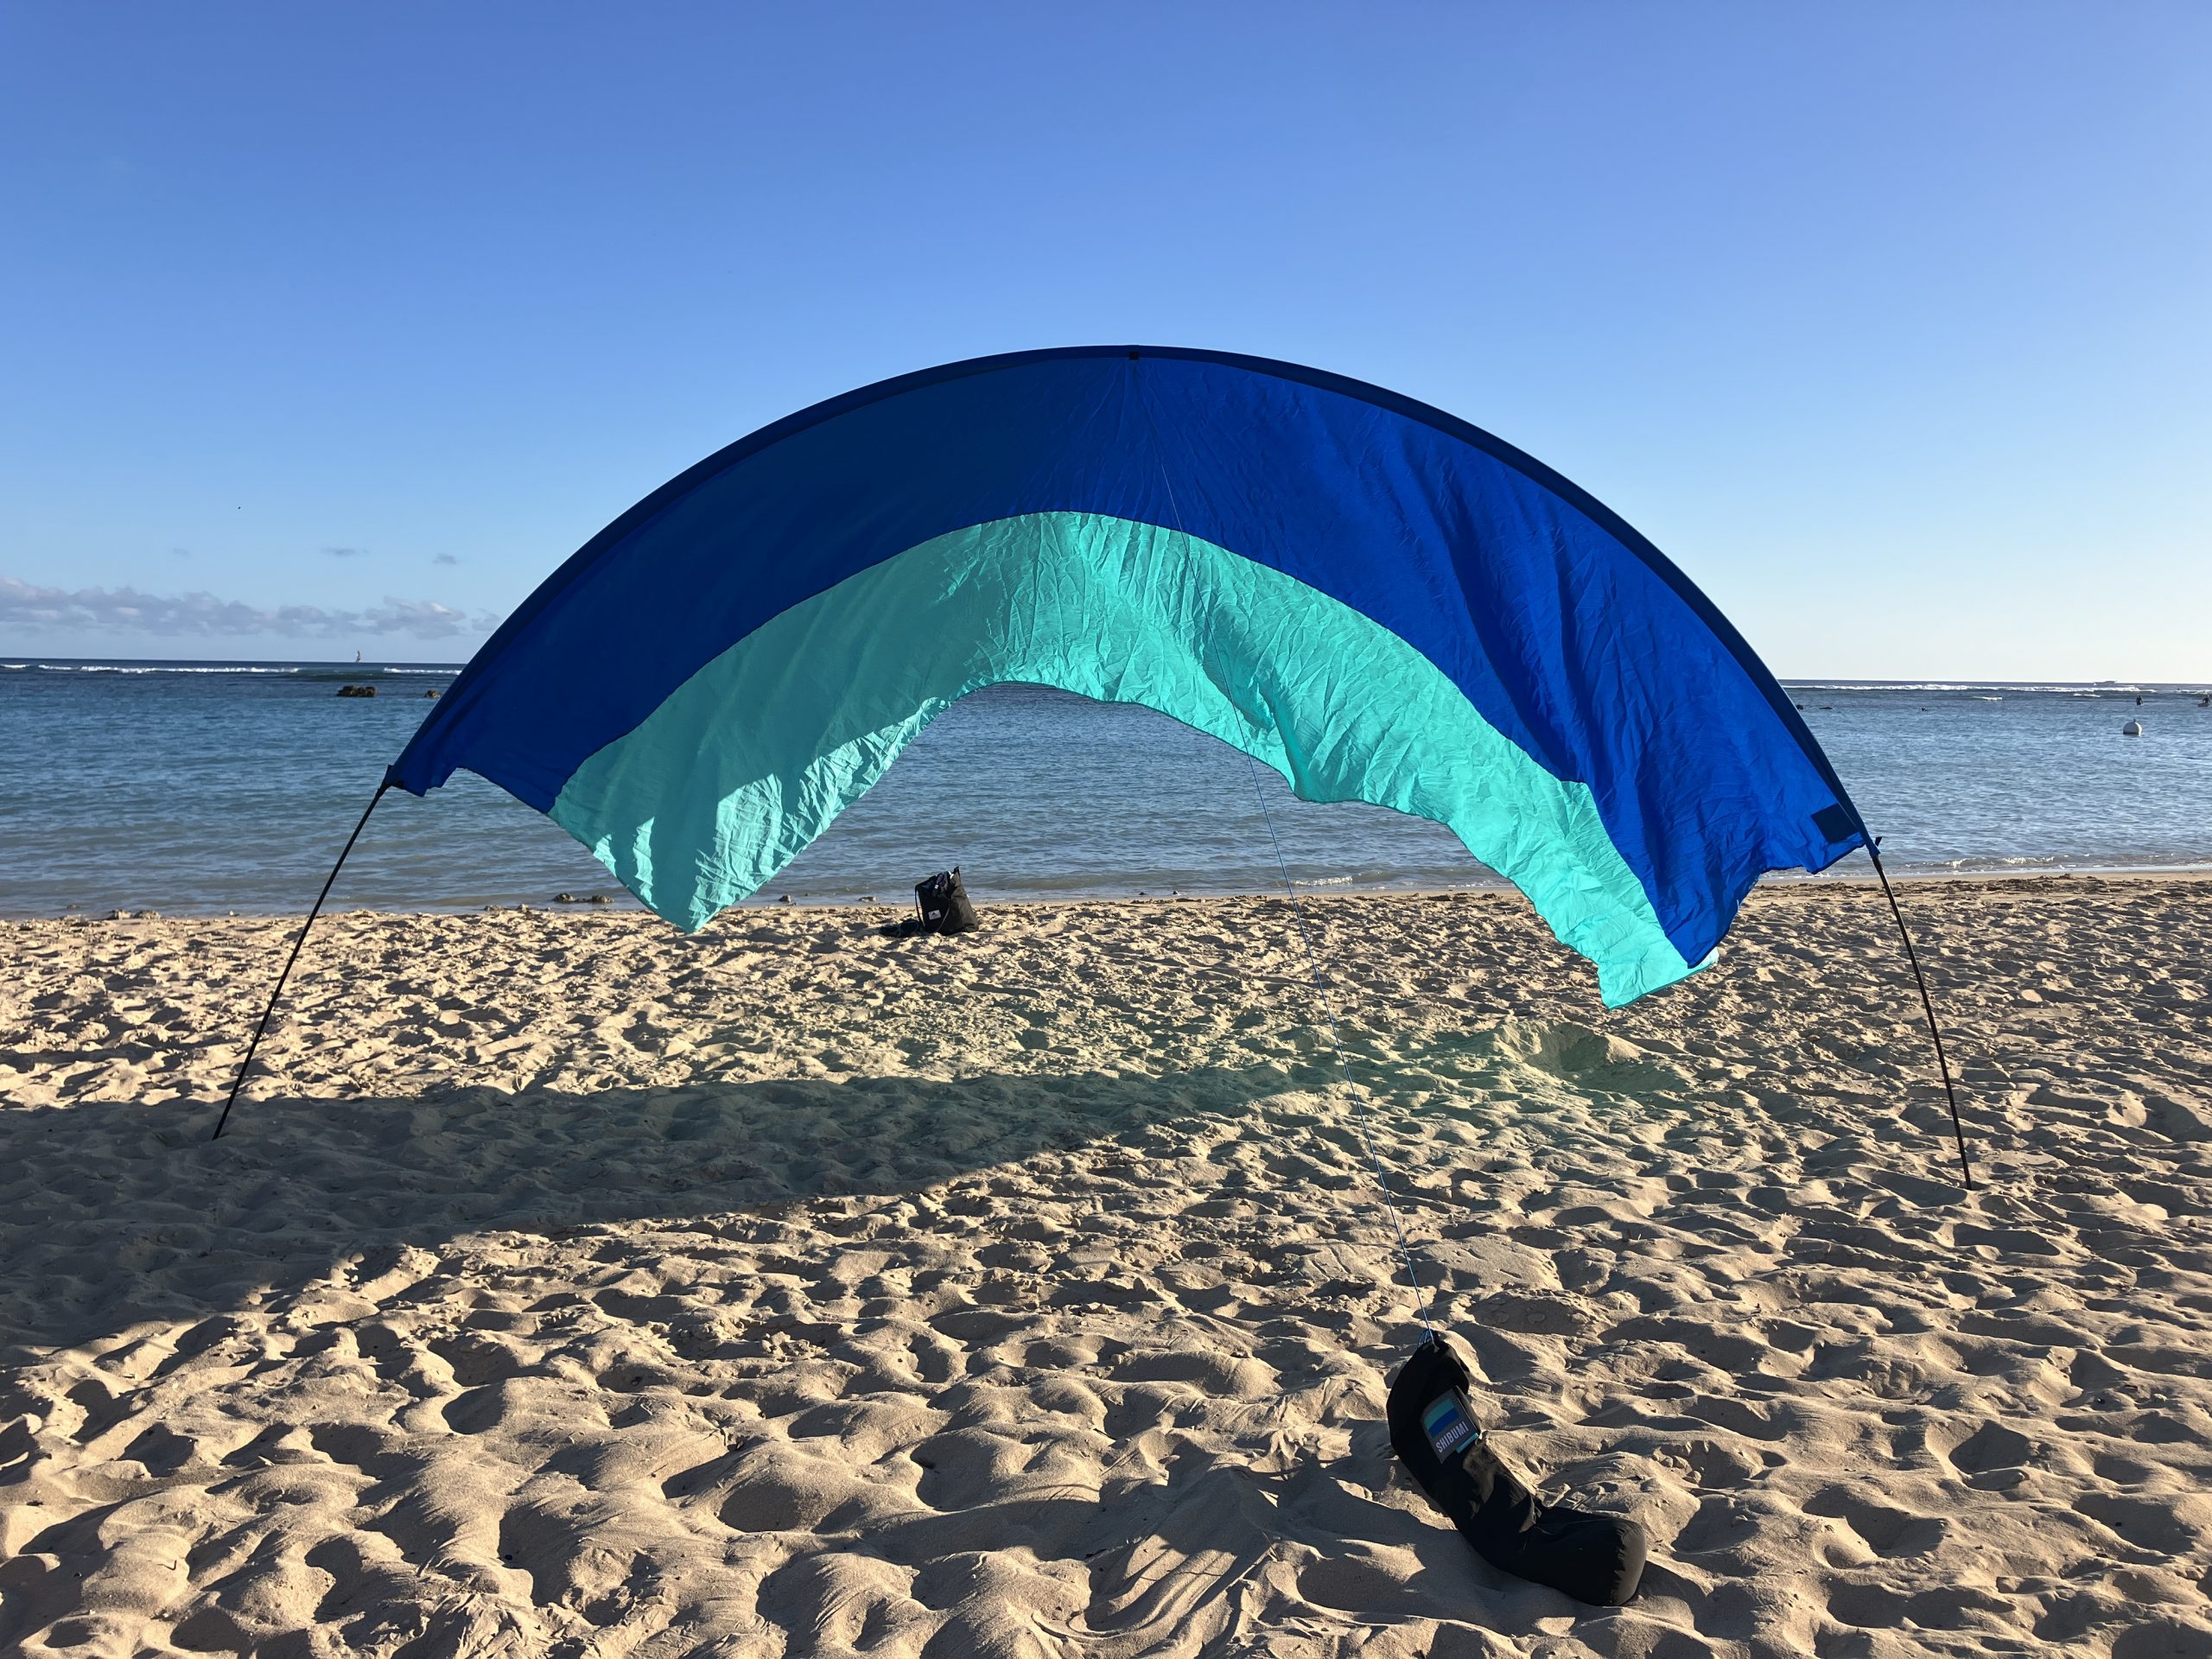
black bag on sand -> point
(1598, 1558)
(943, 903)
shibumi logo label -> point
(1447, 1424)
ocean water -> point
(211, 786)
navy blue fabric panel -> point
(1564, 628)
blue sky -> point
(339, 327)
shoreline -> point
(620, 902)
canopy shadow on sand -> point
(299, 1185)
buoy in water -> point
(2133, 729)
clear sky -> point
(339, 326)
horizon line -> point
(1831, 682)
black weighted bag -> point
(943, 904)
(1594, 1557)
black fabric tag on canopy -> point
(1834, 822)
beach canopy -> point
(1380, 601)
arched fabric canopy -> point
(1380, 601)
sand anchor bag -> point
(1598, 1558)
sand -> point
(567, 1285)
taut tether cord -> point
(1926, 1007)
(254, 1046)
(1328, 1007)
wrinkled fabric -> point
(753, 756)
(1569, 637)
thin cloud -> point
(445, 558)
(125, 610)
(345, 552)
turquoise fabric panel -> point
(751, 757)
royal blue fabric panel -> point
(1564, 630)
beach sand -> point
(568, 1285)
